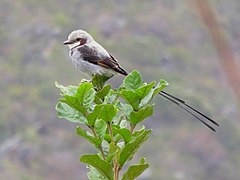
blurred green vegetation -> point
(162, 39)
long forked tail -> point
(189, 109)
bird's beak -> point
(67, 42)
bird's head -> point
(78, 37)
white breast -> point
(87, 67)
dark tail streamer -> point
(184, 103)
(180, 103)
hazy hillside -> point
(162, 39)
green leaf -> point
(126, 134)
(69, 90)
(138, 132)
(80, 99)
(85, 94)
(111, 97)
(98, 81)
(138, 116)
(91, 117)
(144, 90)
(131, 148)
(113, 152)
(127, 109)
(117, 138)
(160, 86)
(104, 91)
(135, 170)
(73, 102)
(131, 97)
(108, 112)
(100, 165)
(97, 100)
(118, 118)
(90, 138)
(108, 138)
(100, 127)
(124, 123)
(132, 81)
(89, 98)
(93, 174)
(147, 99)
(65, 111)
(113, 148)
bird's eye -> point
(78, 39)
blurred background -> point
(192, 45)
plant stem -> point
(101, 149)
(100, 146)
(110, 130)
(116, 171)
(115, 164)
(120, 120)
(131, 128)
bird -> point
(91, 58)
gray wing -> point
(91, 55)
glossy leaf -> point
(131, 148)
(65, 111)
(69, 90)
(90, 138)
(135, 170)
(126, 134)
(89, 98)
(111, 97)
(93, 174)
(80, 98)
(118, 118)
(138, 132)
(100, 165)
(73, 102)
(147, 99)
(113, 152)
(131, 97)
(108, 112)
(160, 86)
(107, 138)
(85, 94)
(138, 116)
(144, 90)
(127, 109)
(91, 117)
(104, 91)
(98, 81)
(132, 81)
(100, 127)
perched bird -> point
(91, 58)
